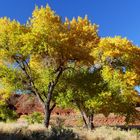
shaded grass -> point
(15, 131)
(23, 131)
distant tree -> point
(109, 85)
(120, 63)
(82, 86)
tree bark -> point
(47, 117)
(87, 118)
(90, 122)
(47, 109)
(84, 119)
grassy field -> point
(19, 131)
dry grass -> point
(109, 133)
(11, 127)
(19, 131)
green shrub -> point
(7, 115)
(59, 122)
(60, 133)
(35, 117)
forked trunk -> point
(48, 108)
(88, 120)
(85, 119)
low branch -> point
(53, 106)
(31, 82)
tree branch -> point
(31, 82)
(53, 106)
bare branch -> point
(29, 77)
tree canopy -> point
(55, 60)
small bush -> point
(7, 115)
(60, 133)
(35, 117)
(59, 122)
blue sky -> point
(114, 17)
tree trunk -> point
(47, 116)
(48, 108)
(85, 119)
(47, 111)
(90, 122)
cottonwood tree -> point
(83, 86)
(109, 85)
(119, 58)
(38, 53)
